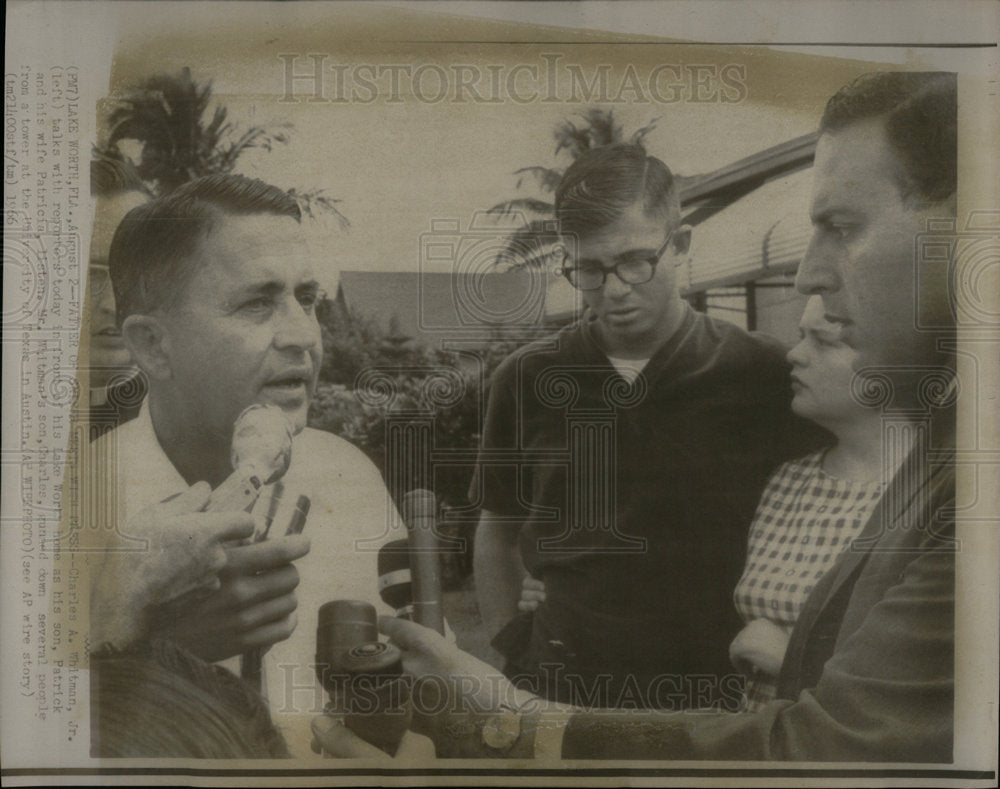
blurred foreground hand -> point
(184, 553)
(759, 648)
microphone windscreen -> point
(418, 506)
(343, 624)
(262, 439)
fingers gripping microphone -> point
(409, 570)
(364, 676)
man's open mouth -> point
(830, 317)
(290, 381)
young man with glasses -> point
(622, 460)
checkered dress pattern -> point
(805, 520)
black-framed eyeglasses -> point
(631, 271)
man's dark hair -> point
(152, 253)
(159, 700)
(603, 182)
(109, 177)
(921, 122)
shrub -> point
(368, 382)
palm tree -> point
(529, 244)
(315, 201)
(166, 115)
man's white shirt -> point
(350, 517)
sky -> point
(403, 162)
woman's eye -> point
(831, 341)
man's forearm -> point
(498, 572)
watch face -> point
(502, 730)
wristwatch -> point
(501, 730)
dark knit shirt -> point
(633, 503)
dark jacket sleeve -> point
(886, 694)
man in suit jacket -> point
(869, 671)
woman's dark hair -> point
(158, 700)
(921, 123)
(603, 182)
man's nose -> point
(105, 301)
(297, 328)
(614, 286)
(819, 271)
(796, 356)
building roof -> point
(435, 305)
(761, 234)
(704, 195)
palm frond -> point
(571, 139)
(530, 246)
(639, 135)
(601, 127)
(166, 114)
(547, 177)
(312, 202)
(522, 204)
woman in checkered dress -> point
(811, 509)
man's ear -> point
(147, 339)
(680, 241)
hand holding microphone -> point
(364, 676)
(184, 554)
(254, 606)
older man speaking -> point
(216, 295)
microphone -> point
(276, 508)
(364, 676)
(261, 453)
(419, 514)
(280, 507)
(395, 585)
